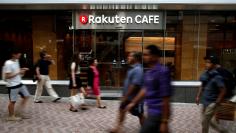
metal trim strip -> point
(66, 82)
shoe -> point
(113, 131)
(56, 99)
(14, 118)
(102, 107)
(73, 110)
(24, 116)
(38, 101)
(84, 108)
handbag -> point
(77, 100)
(226, 111)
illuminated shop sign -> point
(120, 20)
(148, 19)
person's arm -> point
(164, 80)
(131, 90)
(204, 79)
(199, 93)
(73, 65)
(165, 109)
(221, 95)
(24, 69)
(9, 74)
(90, 77)
(165, 115)
(12, 75)
(135, 83)
(49, 58)
(221, 85)
(52, 62)
(136, 100)
(37, 70)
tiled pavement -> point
(51, 117)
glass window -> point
(34, 31)
(189, 36)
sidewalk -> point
(51, 117)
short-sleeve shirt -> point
(134, 77)
(157, 82)
(12, 67)
(212, 82)
(44, 66)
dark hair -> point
(212, 58)
(91, 61)
(154, 50)
(42, 54)
(137, 55)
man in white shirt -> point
(12, 74)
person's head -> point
(76, 58)
(15, 53)
(151, 54)
(134, 57)
(211, 61)
(93, 62)
(42, 54)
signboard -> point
(120, 20)
(117, 1)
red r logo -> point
(83, 19)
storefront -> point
(185, 33)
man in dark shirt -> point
(157, 92)
(42, 71)
(213, 88)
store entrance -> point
(111, 49)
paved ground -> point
(51, 117)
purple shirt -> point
(157, 82)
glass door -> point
(111, 49)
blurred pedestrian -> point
(213, 89)
(94, 81)
(157, 92)
(75, 83)
(132, 86)
(12, 75)
(43, 79)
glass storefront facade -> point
(187, 37)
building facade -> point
(185, 32)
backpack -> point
(228, 81)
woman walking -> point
(75, 81)
(93, 81)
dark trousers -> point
(151, 125)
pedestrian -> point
(75, 83)
(43, 79)
(213, 89)
(94, 81)
(132, 86)
(156, 91)
(12, 75)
